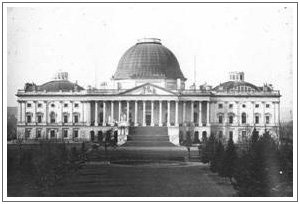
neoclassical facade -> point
(148, 89)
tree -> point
(218, 158)
(229, 161)
(205, 151)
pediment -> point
(148, 89)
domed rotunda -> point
(149, 61)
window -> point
(65, 118)
(38, 133)
(27, 133)
(230, 105)
(220, 106)
(52, 105)
(76, 119)
(267, 105)
(75, 133)
(65, 105)
(52, 133)
(52, 117)
(39, 105)
(244, 118)
(230, 119)
(65, 133)
(256, 105)
(230, 134)
(220, 119)
(243, 135)
(28, 118)
(39, 118)
(244, 106)
(76, 105)
(256, 119)
(220, 134)
(28, 105)
(267, 119)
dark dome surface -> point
(148, 59)
(57, 85)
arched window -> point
(244, 118)
(52, 117)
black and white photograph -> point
(149, 101)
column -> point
(34, 112)
(61, 112)
(192, 111)
(127, 112)
(88, 113)
(72, 116)
(200, 113)
(96, 113)
(112, 111)
(135, 113)
(152, 113)
(19, 111)
(104, 113)
(208, 119)
(176, 113)
(183, 117)
(168, 119)
(120, 111)
(238, 112)
(160, 113)
(45, 118)
(144, 113)
(253, 112)
(82, 112)
(263, 114)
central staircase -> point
(148, 137)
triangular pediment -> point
(148, 89)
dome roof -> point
(148, 59)
(60, 85)
(235, 85)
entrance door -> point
(92, 136)
(148, 119)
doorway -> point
(148, 119)
(92, 135)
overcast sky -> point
(87, 40)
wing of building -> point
(149, 91)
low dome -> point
(236, 86)
(148, 59)
(60, 85)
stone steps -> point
(147, 138)
(148, 144)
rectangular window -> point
(244, 134)
(267, 119)
(39, 105)
(220, 119)
(65, 133)
(256, 105)
(76, 119)
(38, 133)
(230, 134)
(230, 105)
(267, 105)
(65, 105)
(28, 118)
(65, 118)
(256, 119)
(27, 133)
(220, 106)
(76, 105)
(52, 133)
(75, 133)
(244, 106)
(28, 105)
(39, 118)
(220, 134)
(230, 119)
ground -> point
(138, 172)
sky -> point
(87, 41)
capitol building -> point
(147, 92)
